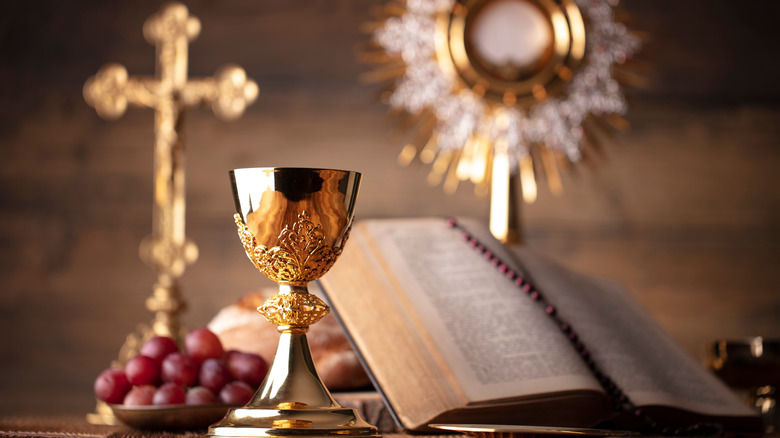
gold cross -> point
(170, 94)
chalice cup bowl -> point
(293, 223)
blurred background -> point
(684, 209)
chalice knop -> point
(293, 223)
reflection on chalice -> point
(293, 223)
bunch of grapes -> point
(204, 373)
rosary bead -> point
(502, 268)
(565, 327)
(450, 222)
(519, 281)
(488, 255)
(550, 310)
(527, 287)
(535, 295)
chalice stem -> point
(292, 400)
(293, 381)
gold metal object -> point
(293, 224)
(504, 208)
(483, 82)
(751, 365)
(524, 87)
(500, 87)
(528, 84)
(301, 255)
(170, 93)
(103, 415)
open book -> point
(447, 339)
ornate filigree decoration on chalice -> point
(302, 255)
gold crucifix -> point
(170, 94)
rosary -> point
(620, 401)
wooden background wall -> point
(684, 210)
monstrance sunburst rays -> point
(473, 124)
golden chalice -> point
(293, 223)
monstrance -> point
(499, 90)
(170, 93)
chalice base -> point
(292, 401)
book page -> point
(495, 341)
(628, 345)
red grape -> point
(180, 369)
(111, 386)
(230, 353)
(142, 370)
(140, 396)
(200, 395)
(236, 392)
(214, 374)
(203, 344)
(159, 347)
(169, 394)
(247, 367)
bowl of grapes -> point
(167, 386)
